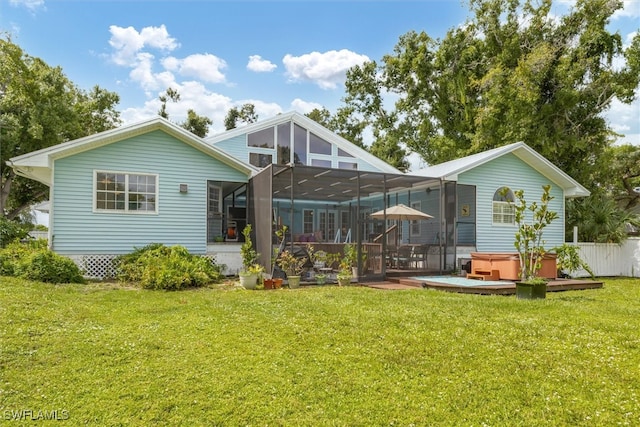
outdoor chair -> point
(404, 256)
(419, 256)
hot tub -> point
(508, 263)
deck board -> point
(509, 288)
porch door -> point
(214, 211)
(327, 224)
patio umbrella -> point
(401, 213)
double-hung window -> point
(126, 192)
(503, 209)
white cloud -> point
(193, 95)
(205, 67)
(127, 42)
(259, 65)
(415, 162)
(32, 5)
(631, 9)
(304, 107)
(629, 38)
(625, 119)
(327, 70)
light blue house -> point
(153, 181)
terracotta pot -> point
(277, 283)
(269, 283)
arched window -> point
(503, 208)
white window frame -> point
(305, 223)
(126, 210)
(503, 210)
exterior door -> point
(214, 211)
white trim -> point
(311, 126)
(126, 210)
(38, 164)
(313, 220)
(449, 171)
(502, 214)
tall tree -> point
(41, 107)
(170, 94)
(245, 114)
(198, 125)
(342, 123)
(619, 175)
(599, 219)
(512, 73)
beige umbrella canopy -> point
(401, 213)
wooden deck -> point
(509, 288)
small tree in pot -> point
(292, 266)
(251, 270)
(529, 242)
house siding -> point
(511, 172)
(180, 219)
(236, 147)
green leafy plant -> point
(346, 263)
(11, 231)
(34, 261)
(249, 254)
(170, 268)
(290, 264)
(48, 266)
(568, 259)
(280, 234)
(350, 255)
(528, 237)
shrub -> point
(161, 267)
(48, 266)
(11, 231)
(34, 261)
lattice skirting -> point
(95, 266)
(100, 267)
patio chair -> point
(404, 256)
(419, 256)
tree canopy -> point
(41, 107)
(514, 72)
(246, 114)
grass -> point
(353, 356)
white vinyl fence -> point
(607, 259)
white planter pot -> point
(248, 281)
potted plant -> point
(529, 242)
(345, 271)
(272, 282)
(321, 278)
(319, 261)
(351, 254)
(250, 267)
(568, 260)
(292, 266)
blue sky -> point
(279, 55)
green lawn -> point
(107, 355)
